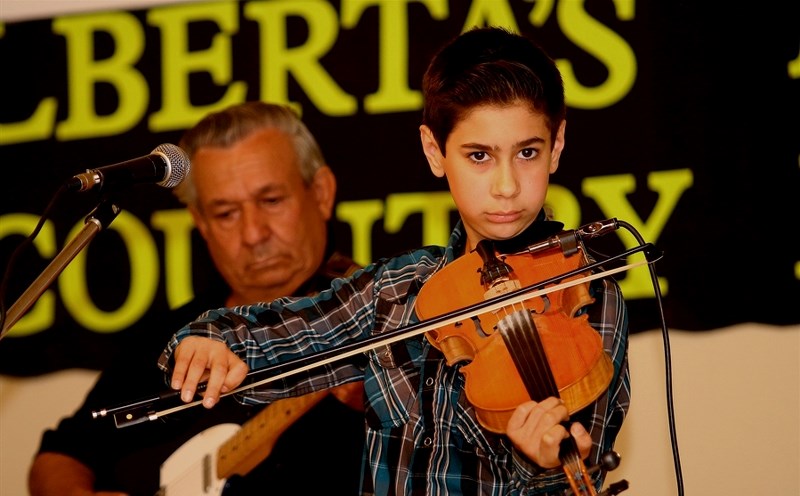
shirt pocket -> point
(390, 391)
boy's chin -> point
(503, 233)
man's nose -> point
(255, 227)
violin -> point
(531, 350)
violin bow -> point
(142, 410)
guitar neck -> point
(254, 441)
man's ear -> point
(199, 221)
(431, 150)
(324, 186)
(558, 147)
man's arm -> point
(55, 474)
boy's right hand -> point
(200, 359)
(537, 430)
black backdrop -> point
(682, 120)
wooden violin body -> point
(497, 344)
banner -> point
(682, 121)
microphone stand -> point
(97, 220)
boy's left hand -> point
(536, 430)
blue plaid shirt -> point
(423, 436)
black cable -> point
(667, 361)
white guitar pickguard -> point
(192, 469)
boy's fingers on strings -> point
(582, 438)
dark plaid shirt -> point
(423, 436)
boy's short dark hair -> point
(489, 66)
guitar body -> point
(204, 465)
(192, 469)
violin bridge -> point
(501, 287)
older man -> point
(261, 196)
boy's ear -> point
(558, 147)
(431, 149)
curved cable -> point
(667, 361)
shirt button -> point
(429, 381)
(427, 442)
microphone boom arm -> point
(97, 220)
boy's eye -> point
(479, 156)
(528, 153)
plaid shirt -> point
(423, 436)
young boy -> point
(493, 125)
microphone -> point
(166, 166)
(567, 240)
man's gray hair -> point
(233, 124)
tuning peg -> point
(614, 488)
(608, 462)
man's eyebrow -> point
(219, 202)
(222, 202)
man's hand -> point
(200, 359)
(57, 474)
(536, 430)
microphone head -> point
(178, 164)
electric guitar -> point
(202, 465)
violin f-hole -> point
(478, 329)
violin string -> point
(574, 469)
(526, 350)
(525, 347)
